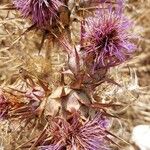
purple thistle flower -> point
(74, 134)
(92, 134)
(42, 12)
(108, 41)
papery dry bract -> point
(107, 40)
(36, 94)
(42, 12)
(4, 105)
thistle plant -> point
(66, 111)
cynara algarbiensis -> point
(108, 41)
(42, 12)
(75, 135)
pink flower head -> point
(108, 41)
(42, 12)
(74, 134)
(91, 135)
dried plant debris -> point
(67, 75)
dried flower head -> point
(74, 134)
(108, 41)
(42, 12)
